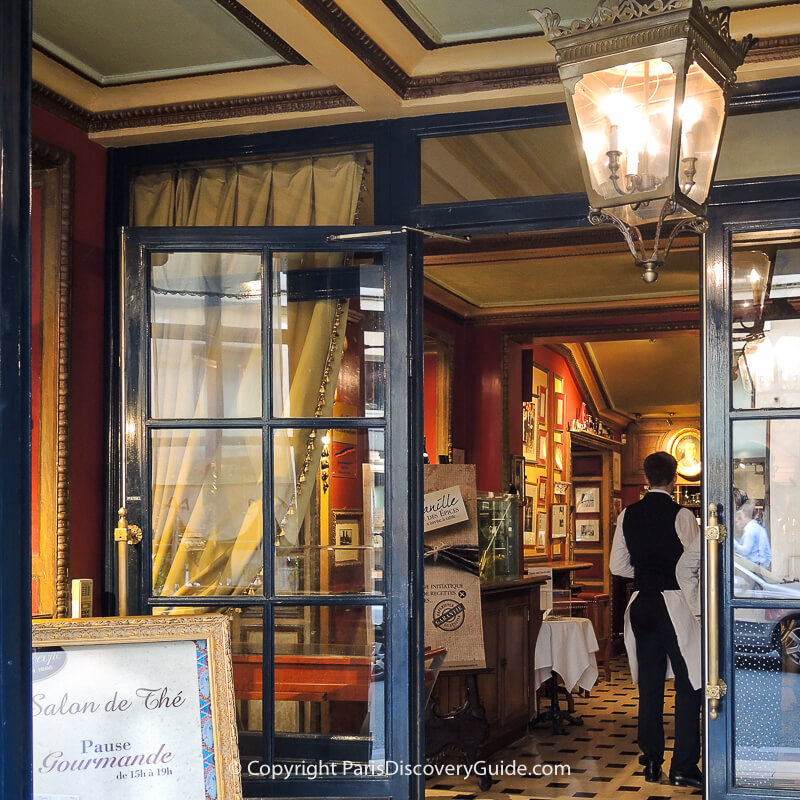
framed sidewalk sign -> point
(132, 707)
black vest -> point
(649, 530)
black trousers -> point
(655, 642)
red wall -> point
(547, 358)
(87, 338)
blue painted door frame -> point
(15, 402)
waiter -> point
(657, 543)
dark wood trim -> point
(774, 48)
(447, 83)
(199, 111)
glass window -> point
(205, 335)
(526, 162)
(766, 474)
(328, 335)
(766, 694)
(207, 512)
(765, 285)
(330, 691)
(329, 511)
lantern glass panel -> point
(702, 115)
(625, 116)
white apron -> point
(687, 630)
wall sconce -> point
(647, 85)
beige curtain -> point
(207, 509)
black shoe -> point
(652, 771)
(693, 779)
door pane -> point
(328, 514)
(765, 311)
(328, 335)
(766, 690)
(766, 474)
(205, 339)
(207, 512)
(247, 646)
(329, 684)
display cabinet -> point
(498, 536)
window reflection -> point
(767, 698)
(766, 522)
(766, 323)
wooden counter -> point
(511, 621)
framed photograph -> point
(530, 430)
(158, 707)
(529, 512)
(616, 472)
(541, 532)
(560, 416)
(561, 487)
(616, 509)
(518, 475)
(542, 448)
(558, 516)
(558, 456)
(587, 530)
(347, 535)
(587, 499)
(543, 490)
(685, 449)
(542, 392)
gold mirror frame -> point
(443, 346)
(687, 469)
(52, 174)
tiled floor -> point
(602, 754)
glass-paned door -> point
(268, 449)
(752, 430)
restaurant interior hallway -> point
(602, 754)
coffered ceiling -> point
(156, 70)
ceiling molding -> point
(266, 34)
(295, 102)
(774, 48)
(359, 42)
(584, 370)
(429, 44)
(481, 81)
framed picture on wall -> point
(558, 515)
(616, 472)
(560, 417)
(529, 508)
(587, 500)
(542, 392)
(543, 490)
(518, 475)
(616, 509)
(530, 430)
(348, 540)
(587, 530)
(542, 448)
(541, 533)
(558, 456)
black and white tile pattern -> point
(602, 754)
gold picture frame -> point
(207, 669)
(685, 448)
(51, 224)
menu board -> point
(126, 720)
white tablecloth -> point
(567, 645)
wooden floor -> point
(602, 754)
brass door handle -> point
(716, 687)
(125, 536)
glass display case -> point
(498, 536)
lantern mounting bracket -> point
(649, 260)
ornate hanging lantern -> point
(647, 86)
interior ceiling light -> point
(647, 86)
